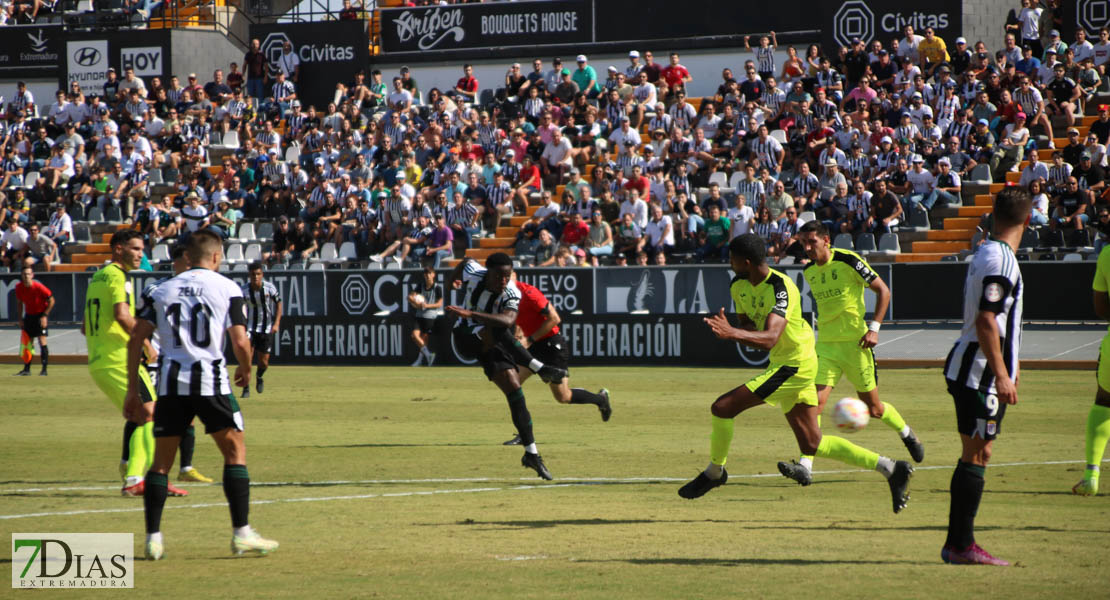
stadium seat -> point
(277, 267)
(1080, 238)
(114, 215)
(95, 216)
(156, 177)
(843, 241)
(316, 266)
(737, 177)
(246, 232)
(981, 174)
(265, 231)
(161, 253)
(719, 178)
(918, 219)
(1030, 239)
(348, 251)
(328, 253)
(239, 268)
(1073, 257)
(888, 244)
(787, 260)
(225, 268)
(230, 140)
(392, 266)
(1052, 239)
(234, 253)
(82, 234)
(252, 253)
(779, 135)
(807, 216)
(30, 180)
(293, 153)
(374, 266)
(865, 242)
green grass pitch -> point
(393, 483)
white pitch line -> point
(571, 482)
(52, 337)
(900, 337)
(1074, 349)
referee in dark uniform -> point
(263, 320)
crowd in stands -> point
(623, 166)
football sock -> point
(806, 461)
(237, 489)
(885, 466)
(847, 452)
(45, 355)
(188, 444)
(532, 449)
(261, 371)
(720, 440)
(154, 499)
(1098, 432)
(581, 396)
(892, 418)
(966, 490)
(242, 532)
(27, 366)
(522, 420)
(129, 427)
(141, 453)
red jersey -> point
(675, 75)
(34, 298)
(530, 313)
(467, 84)
(573, 235)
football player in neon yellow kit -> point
(769, 307)
(838, 279)
(109, 316)
(1098, 418)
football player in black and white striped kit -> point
(982, 368)
(263, 321)
(186, 471)
(191, 312)
(484, 330)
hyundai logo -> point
(87, 57)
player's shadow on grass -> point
(735, 562)
(549, 523)
(319, 446)
(86, 495)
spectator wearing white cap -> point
(586, 77)
(922, 186)
(961, 57)
(632, 71)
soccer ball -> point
(851, 415)
(417, 298)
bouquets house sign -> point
(487, 25)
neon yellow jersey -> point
(1102, 272)
(105, 338)
(777, 294)
(838, 287)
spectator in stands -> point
(13, 244)
(1039, 215)
(60, 229)
(1070, 210)
(41, 249)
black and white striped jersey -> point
(476, 297)
(765, 58)
(993, 284)
(191, 312)
(262, 306)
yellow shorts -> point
(113, 382)
(786, 385)
(847, 358)
(1104, 366)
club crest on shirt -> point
(993, 292)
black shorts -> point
(493, 360)
(552, 350)
(260, 342)
(32, 325)
(425, 325)
(977, 414)
(174, 414)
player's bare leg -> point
(421, 340)
(724, 410)
(1098, 432)
(967, 490)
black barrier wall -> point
(29, 51)
(921, 291)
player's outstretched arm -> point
(134, 409)
(506, 319)
(241, 346)
(986, 328)
(764, 340)
(456, 274)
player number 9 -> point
(991, 402)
